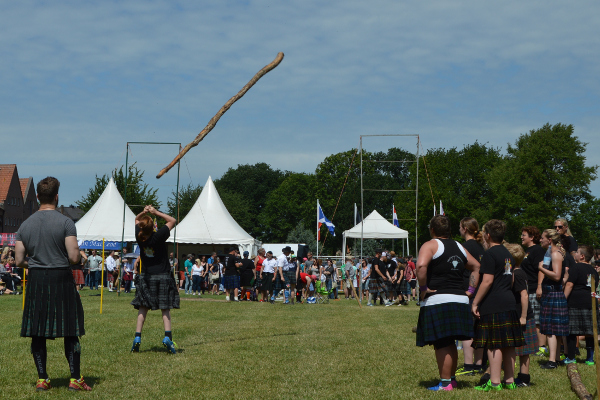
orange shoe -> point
(78, 384)
(43, 385)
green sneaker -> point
(509, 386)
(562, 357)
(542, 351)
(488, 386)
(589, 362)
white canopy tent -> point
(105, 219)
(209, 222)
(374, 226)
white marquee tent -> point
(374, 226)
(105, 219)
(209, 222)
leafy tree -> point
(543, 177)
(290, 203)
(138, 195)
(459, 178)
(187, 198)
(585, 224)
(301, 234)
(239, 209)
(253, 183)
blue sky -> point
(80, 79)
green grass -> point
(249, 350)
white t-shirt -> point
(282, 262)
(269, 265)
(111, 264)
(196, 270)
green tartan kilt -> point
(52, 304)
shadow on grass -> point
(221, 340)
(64, 382)
(160, 349)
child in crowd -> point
(525, 312)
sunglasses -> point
(558, 227)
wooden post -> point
(24, 284)
(595, 328)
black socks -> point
(169, 335)
(38, 351)
(73, 354)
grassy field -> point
(249, 350)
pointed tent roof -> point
(105, 219)
(209, 222)
(376, 227)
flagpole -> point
(317, 229)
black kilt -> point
(267, 281)
(52, 305)
(156, 292)
(246, 279)
(231, 281)
(258, 282)
(580, 322)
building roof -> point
(72, 212)
(24, 186)
(6, 174)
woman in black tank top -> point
(445, 314)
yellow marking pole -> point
(102, 278)
(24, 284)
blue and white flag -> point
(395, 217)
(323, 220)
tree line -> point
(540, 177)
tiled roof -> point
(24, 184)
(6, 174)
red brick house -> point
(17, 198)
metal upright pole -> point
(417, 199)
(362, 216)
(124, 207)
(317, 229)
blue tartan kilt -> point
(231, 281)
(447, 320)
(554, 313)
(278, 284)
(290, 276)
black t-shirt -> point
(377, 262)
(476, 250)
(229, 266)
(497, 261)
(401, 271)
(533, 256)
(390, 267)
(580, 275)
(153, 251)
(520, 284)
(247, 267)
(572, 244)
(445, 273)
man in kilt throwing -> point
(52, 305)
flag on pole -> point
(434, 210)
(395, 217)
(441, 209)
(323, 220)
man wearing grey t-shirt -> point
(52, 304)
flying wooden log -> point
(211, 124)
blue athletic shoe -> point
(136, 344)
(439, 387)
(170, 345)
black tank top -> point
(445, 273)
